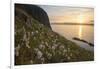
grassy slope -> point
(38, 44)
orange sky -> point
(64, 14)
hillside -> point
(36, 43)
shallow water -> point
(85, 32)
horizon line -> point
(70, 24)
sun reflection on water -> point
(80, 32)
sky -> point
(65, 14)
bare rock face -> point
(36, 12)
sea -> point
(85, 32)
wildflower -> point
(64, 50)
(41, 46)
(36, 31)
(32, 33)
(62, 47)
(68, 49)
(17, 50)
(31, 61)
(46, 43)
(39, 54)
(71, 54)
(53, 47)
(68, 58)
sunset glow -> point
(80, 19)
(61, 14)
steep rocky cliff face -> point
(36, 12)
(36, 43)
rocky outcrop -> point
(36, 12)
(82, 40)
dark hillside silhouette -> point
(36, 12)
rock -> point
(78, 39)
(36, 12)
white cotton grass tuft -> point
(17, 50)
(39, 53)
(31, 61)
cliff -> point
(36, 12)
(36, 43)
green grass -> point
(45, 46)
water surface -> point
(85, 32)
